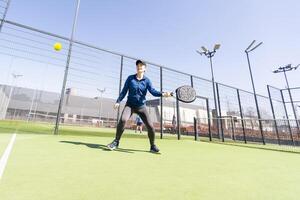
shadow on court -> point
(103, 147)
(257, 147)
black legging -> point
(142, 112)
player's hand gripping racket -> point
(185, 94)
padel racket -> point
(186, 94)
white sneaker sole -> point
(111, 149)
(151, 151)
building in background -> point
(37, 105)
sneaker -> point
(112, 146)
(154, 149)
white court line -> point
(4, 158)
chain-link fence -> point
(32, 77)
(291, 98)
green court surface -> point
(44, 166)
(4, 140)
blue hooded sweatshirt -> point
(137, 91)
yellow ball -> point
(57, 46)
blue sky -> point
(168, 32)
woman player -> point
(137, 86)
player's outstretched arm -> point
(122, 94)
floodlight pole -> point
(210, 54)
(284, 70)
(13, 86)
(4, 14)
(66, 70)
(292, 102)
(254, 91)
(101, 91)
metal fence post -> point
(66, 71)
(195, 129)
(232, 128)
(192, 81)
(120, 85)
(242, 115)
(161, 104)
(273, 114)
(220, 112)
(195, 119)
(255, 97)
(259, 120)
(292, 104)
(208, 120)
(4, 14)
(178, 119)
(287, 117)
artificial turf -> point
(44, 166)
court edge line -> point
(5, 156)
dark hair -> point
(140, 62)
